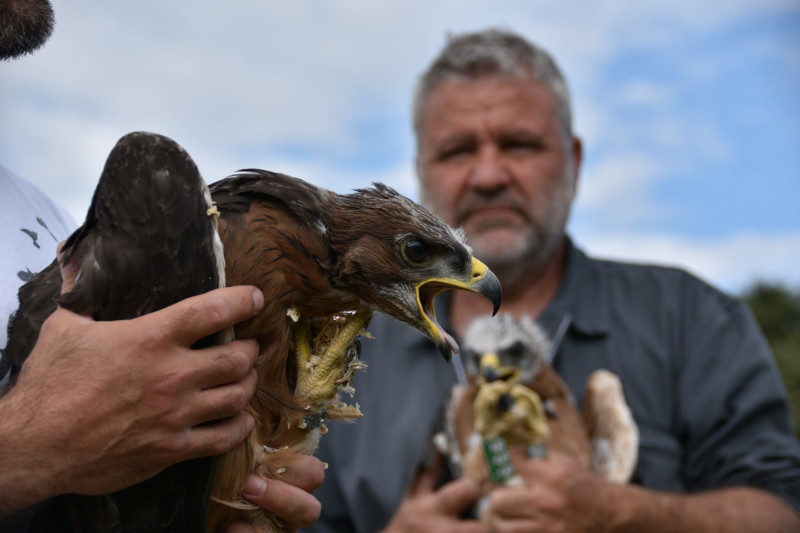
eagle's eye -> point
(516, 351)
(416, 252)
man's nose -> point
(490, 171)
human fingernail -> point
(258, 299)
(249, 423)
(254, 486)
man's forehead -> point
(454, 108)
(489, 90)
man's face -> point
(493, 159)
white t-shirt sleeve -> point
(31, 226)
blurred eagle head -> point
(496, 347)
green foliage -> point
(777, 309)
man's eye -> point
(521, 146)
(454, 152)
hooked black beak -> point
(481, 281)
(489, 286)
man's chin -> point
(511, 251)
(499, 246)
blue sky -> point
(689, 111)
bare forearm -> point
(25, 475)
(736, 509)
(563, 496)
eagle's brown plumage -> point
(323, 261)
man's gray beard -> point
(518, 263)
(522, 259)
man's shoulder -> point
(665, 282)
(641, 272)
(640, 269)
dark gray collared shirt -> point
(697, 372)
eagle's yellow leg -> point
(326, 362)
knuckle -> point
(217, 311)
(219, 443)
(226, 364)
(175, 447)
(208, 309)
(233, 363)
(236, 399)
(50, 325)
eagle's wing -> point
(568, 432)
(147, 242)
(614, 434)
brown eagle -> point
(514, 397)
(324, 261)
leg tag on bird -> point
(501, 469)
(311, 422)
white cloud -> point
(617, 189)
(645, 93)
(732, 263)
(229, 80)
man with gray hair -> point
(496, 155)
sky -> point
(689, 111)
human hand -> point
(290, 497)
(99, 406)
(559, 495)
(427, 509)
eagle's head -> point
(499, 346)
(397, 256)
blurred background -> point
(689, 111)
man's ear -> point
(421, 193)
(577, 157)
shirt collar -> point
(583, 295)
(582, 298)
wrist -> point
(28, 473)
(618, 507)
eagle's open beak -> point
(490, 366)
(492, 370)
(481, 281)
